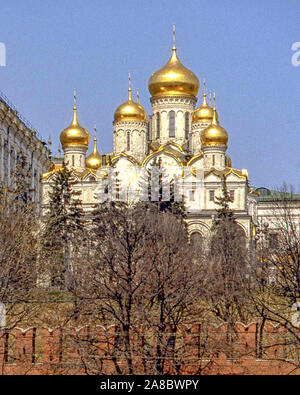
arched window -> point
(172, 124)
(73, 161)
(196, 240)
(128, 141)
(187, 125)
(157, 125)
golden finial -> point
(95, 132)
(74, 121)
(174, 47)
(129, 87)
(137, 96)
(204, 103)
(59, 151)
(214, 99)
(215, 121)
(75, 100)
(210, 97)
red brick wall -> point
(204, 350)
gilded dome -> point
(130, 111)
(74, 135)
(94, 160)
(173, 80)
(204, 113)
(214, 135)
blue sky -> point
(242, 47)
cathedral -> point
(187, 141)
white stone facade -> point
(16, 139)
(130, 137)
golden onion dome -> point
(75, 135)
(130, 111)
(214, 135)
(204, 113)
(94, 160)
(173, 80)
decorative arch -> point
(194, 158)
(123, 154)
(198, 227)
(170, 143)
(196, 240)
(158, 153)
(242, 228)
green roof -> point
(269, 195)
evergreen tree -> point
(228, 263)
(162, 204)
(224, 211)
(63, 223)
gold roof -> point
(74, 135)
(204, 113)
(214, 135)
(94, 160)
(173, 80)
(130, 111)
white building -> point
(17, 137)
(188, 142)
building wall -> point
(18, 139)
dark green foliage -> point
(224, 212)
(62, 224)
(171, 205)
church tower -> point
(75, 142)
(214, 141)
(202, 118)
(173, 91)
(130, 129)
(94, 160)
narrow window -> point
(212, 196)
(72, 160)
(192, 192)
(158, 125)
(231, 194)
(192, 195)
(187, 125)
(172, 124)
(128, 141)
(213, 160)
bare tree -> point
(276, 293)
(18, 252)
(142, 278)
